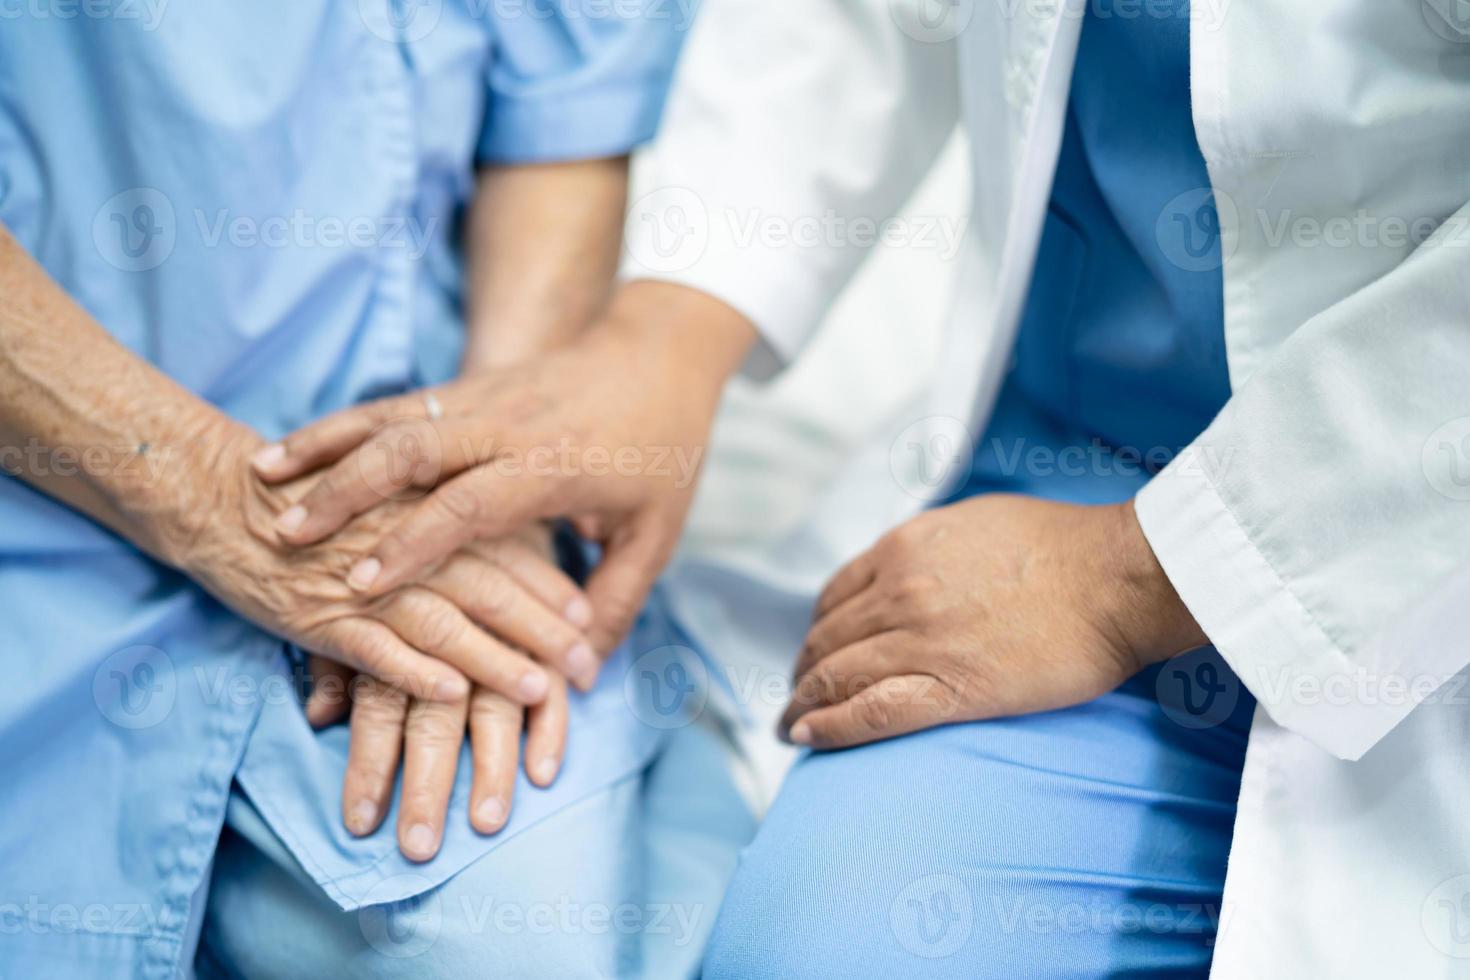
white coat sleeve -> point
(1319, 529)
(793, 130)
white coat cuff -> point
(772, 288)
(1276, 647)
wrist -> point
(544, 322)
(212, 489)
(1151, 617)
(682, 330)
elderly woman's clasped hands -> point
(392, 541)
(480, 642)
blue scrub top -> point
(1120, 355)
(262, 199)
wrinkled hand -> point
(998, 605)
(426, 736)
(609, 432)
(470, 619)
(387, 727)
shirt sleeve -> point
(1319, 529)
(579, 79)
(793, 130)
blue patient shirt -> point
(262, 199)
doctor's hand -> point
(998, 605)
(608, 431)
(494, 612)
(426, 738)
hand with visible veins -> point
(426, 737)
(994, 606)
(494, 612)
(607, 430)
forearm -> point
(542, 247)
(679, 332)
(88, 422)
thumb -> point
(328, 439)
(618, 587)
(330, 683)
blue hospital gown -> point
(263, 200)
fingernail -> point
(801, 733)
(269, 458)
(579, 612)
(451, 689)
(533, 687)
(491, 813)
(419, 841)
(291, 520)
(364, 573)
(361, 817)
(545, 770)
(581, 660)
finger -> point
(495, 749)
(858, 618)
(502, 605)
(327, 703)
(850, 579)
(893, 706)
(477, 503)
(591, 527)
(399, 460)
(432, 737)
(618, 587)
(440, 628)
(546, 736)
(372, 754)
(545, 580)
(840, 677)
(325, 440)
(372, 648)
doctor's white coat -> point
(1319, 529)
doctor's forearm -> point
(103, 432)
(542, 244)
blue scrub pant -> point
(1089, 842)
